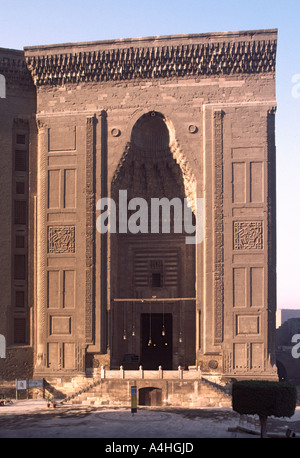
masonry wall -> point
(17, 187)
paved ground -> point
(32, 419)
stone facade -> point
(179, 117)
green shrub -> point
(264, 398)
(256, 397)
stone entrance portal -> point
(156, 341)
(152, 268)
(152, 126)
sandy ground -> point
(32, 419)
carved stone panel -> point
(61, 239)
(219, 226)
(90, 227)
(248, 235)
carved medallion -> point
(248, 235)
(61, 239)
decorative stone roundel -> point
(193, 129)
(115, 132)
(213, 364)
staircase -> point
(193, 393)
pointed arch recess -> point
(189, 180)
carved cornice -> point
(13, 67)
(131, 63)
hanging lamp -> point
(163, 331)
(124, 324)
(133, 320)
(150, 340)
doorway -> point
(150, 396)
(156, 341)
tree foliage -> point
(264, 398)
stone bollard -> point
(102, 373)
(122, 372)
(160, 372)
(180, 372)
(199, 372)
(141, 372)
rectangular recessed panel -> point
(247, 324)
(60, 262)
(247, 152)
(54, 189)
(240, 355)
(242, 258)
(256, 182)
(257, 286)
(62, 138)
(246, 212)
(53, 355)
(61, 160)
(257, 356)
(53, 289)
(60, 325)
(69, 355)
(69, 289)
(239, 287)
(70, 187)
(239, 182)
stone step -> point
(96, 391)
(208, 396)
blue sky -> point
(32, 22)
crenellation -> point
(191, 60)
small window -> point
(20, 241)
(19, 331)
(21, 139)
(20, 212)
(156, 280)
(20, 298)
(20, 187)
(20, 161)
(20, 267)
